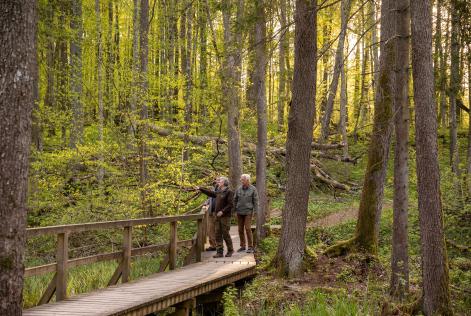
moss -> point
(341, 248)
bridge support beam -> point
(185, 308)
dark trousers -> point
(211, 230)
(244, 223)
(222, 227)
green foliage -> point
(229, 301)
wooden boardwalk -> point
(159, 291)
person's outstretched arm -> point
(208, 192)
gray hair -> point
(245, 176)
(225, 179)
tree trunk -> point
(283, 48)
(18, 74)
(329, 107)
(371, 203)
(454, 86)
(435, 279)
(203, 63)
(260, 88)
(186, 63)
(298, 146)
(374, 43)
(230, 88)
(144, 59)
(468, 158)
(400, 257)
(99, 65)
(442, 77)
(343, 109)
(76, 74)
(109, 77)
(134, 70)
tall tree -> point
(186, 67)
(468, 157)
(400, 257)
(454, 85)
(338, 64)
(260, 88)
(76, 73)
(18, 74)
(290, 253)
(99, 83)
(231, 86)
(435, 278)
(282, 55)
(371, 203)
(343, 109)
(143, 83)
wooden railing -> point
(58, 284)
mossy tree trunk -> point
(435, 278)
(289, 260)
(18, 74)
(367, 228)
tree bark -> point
(18, 74)
(343, 109)
(144, 60)
(468, 157)
(369, 213)
(329, 107)
(283, 48)
(99, 65)
(186, 67)
(76, 74)
(400, 258)
(435, 279)
(454, 86)
(290, 253)
(260, 88)
(231, 88)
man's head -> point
(245, 180)
(223, 182)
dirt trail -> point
(331, 219)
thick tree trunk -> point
(435, 279)
(283, 48)
(99, 65)
(400, 257)
(454, 86)
(371, 203)
(298, 146)
(76, 74)
(231, 88)
(329, 107)
(260, 88)
(18, 75)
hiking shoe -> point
(250, 250)
(218, 255)
(229, 253)
(241, 249)
(211, 249)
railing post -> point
(127, 246)
(62, 256)
(199, 240)
(173, 246)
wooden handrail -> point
(75, 228)
(58, 284)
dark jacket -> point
(246, 200)
(224, 200)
